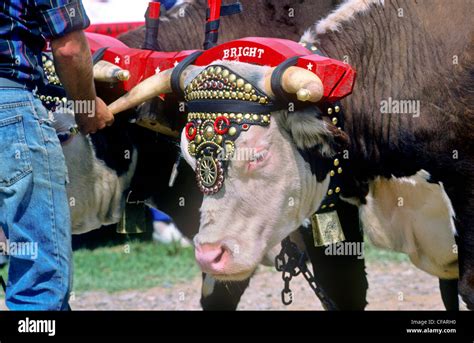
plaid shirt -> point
(25, 25)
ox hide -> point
(178, 32)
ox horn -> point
(295, 80)
(145, 90)
(107, 72)
(148, 89)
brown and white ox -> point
(268, 196)
(409, 170)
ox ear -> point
(184, 151)
(310, 131)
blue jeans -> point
(34, 209)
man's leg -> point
(33, 205)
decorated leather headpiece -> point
(221, 105)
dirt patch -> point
(392, 286)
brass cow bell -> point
(135, 218)
(327, 229)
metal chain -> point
(291, 261)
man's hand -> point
(91, 123)
(73, 62)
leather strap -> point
(212, 27)
(152, 26)
(98, 55)
(230, 9)
(178, 70)
(280, 94)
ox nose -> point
(212, 258)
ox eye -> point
(257, 158)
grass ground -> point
(142, 265)
(136, 265)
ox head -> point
(250, 154)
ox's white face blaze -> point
(266, 195)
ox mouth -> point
(233, 277)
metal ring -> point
(218, 121)
(190, 137)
